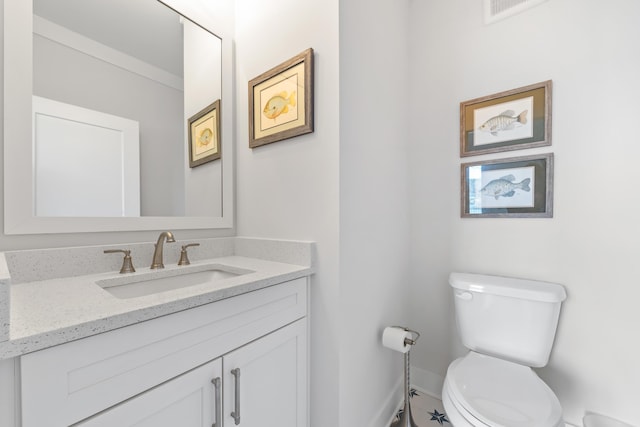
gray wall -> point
(589, 49)
(70, 76)
(374, 205)
(343, 186)
(289, 189)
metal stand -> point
(406, 419)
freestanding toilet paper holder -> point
(406, 419)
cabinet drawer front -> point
(68, 383)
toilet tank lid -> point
(509, 287)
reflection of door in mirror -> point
(140, 61)
(82, 160)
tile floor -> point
(427, 411)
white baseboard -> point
(390, 406)
(427, 382)
(422, 380)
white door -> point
(189, 400)
(265, 382)
(85, 162)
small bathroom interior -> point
(376, 188)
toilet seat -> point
(458, 416)
(498, 393)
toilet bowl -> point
(509, 326)
(481, 390)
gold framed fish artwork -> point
(512, 120)
(520, 187)
(281, 101)
(204, 135)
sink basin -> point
(156, 282)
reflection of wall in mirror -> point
(202, 87)
(70, 76)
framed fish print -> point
(511, 120)
(516, 187)
(204, 135)
(281, 101)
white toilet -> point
(509, 325)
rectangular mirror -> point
(111, 88)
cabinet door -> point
(265, 382)
(189, 400)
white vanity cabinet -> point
(160, 372)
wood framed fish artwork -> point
(518, 187)
(204, 135)
(281, 101)
(512, 120)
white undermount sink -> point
(162, 281)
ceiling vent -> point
(495, 10)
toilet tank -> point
(513, 319)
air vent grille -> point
(495, 10)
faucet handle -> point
(184, 259)
(127, 263)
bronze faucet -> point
(157, 254)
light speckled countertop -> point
(49, 312)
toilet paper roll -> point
(393, 338)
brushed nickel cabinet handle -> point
(236, 413)
(218, 402)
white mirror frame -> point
(19, 215)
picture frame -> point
(512, 120)
(204, 135)
(518, 187)
(281, 101)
